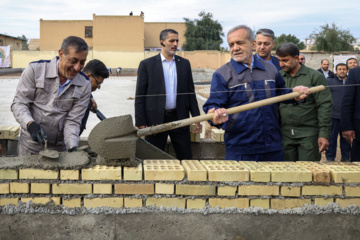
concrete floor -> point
(113, 99)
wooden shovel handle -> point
(188, 121)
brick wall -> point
(188, 184)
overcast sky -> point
(299, 18)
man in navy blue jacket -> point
(264, 44)
(253, 135)
(350, 113)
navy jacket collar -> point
(239, 67)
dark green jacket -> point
(313, 117)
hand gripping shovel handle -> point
(186, 122)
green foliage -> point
(25, 45)
(332, 39)
(288, 38)
(203, 34)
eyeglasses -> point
(302, 58)
(98, 83)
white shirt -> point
(170, 76)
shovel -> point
(49, 153)
(115, 138)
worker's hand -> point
(349, 136)
(197, 129)
(37, 133)
(304, 92)
(323, 144)
(220, 115)
(93, 104)
(141, 127)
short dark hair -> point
(341, 64)
(97, 68)
(287, 49)
(164, 33)
(78, 43)
(347, 61)
(324, 60)
(249, 31)
(266, 32)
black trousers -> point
(355, 150)
(180, 139)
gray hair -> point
(78, 43)
(266, 32)
(302, 55)
(249, 31)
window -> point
(1, 42)
(88, 31)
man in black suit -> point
(165, 93)
(350, 113)
(325, 69)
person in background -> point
(264, 44)
(324, 69)
(352, 63)
(302, 59)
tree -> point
(25, 45)
(332, 39)
(203, 34)
(288, 38)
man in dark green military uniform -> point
(305, 126)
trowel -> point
(115, 138)
(49, 153)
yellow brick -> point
(319, 172)
(262, 203)
(133, 173)
(4, 188)
(132, 202)
(134, 189)
(323, 201)
(40, 188)
(288, 172)
(19, 187)
(164, 172)
(42, 200)
(117, 202)
(166, 202)
(8, 174)
(195, 203)
(217, 134)
(197, 137)
(321, 190)
(69, 174)
(71, 188)
(100, 172)
(228, 203)
(199, 190)
(6, 201)
(253, 190)
(289, 203)
(194, 170)
(161, 162)
(352, 191)
(348, 202)
(72, 203)
(164, 188)
(192, 137)
(102, 188)
(37, 174)
(9, 132)
(258, 173)
(342, 172)
(226, 191)
(290, 191)
(225, 171)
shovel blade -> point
(114, 138)
(49, 153)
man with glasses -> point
(264, 44)
(302, 58)
(51, 99)
(96, 71)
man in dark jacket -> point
(264, 44)
(336, 87)
(350, 113)
(325, 69)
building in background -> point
(15, 43)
